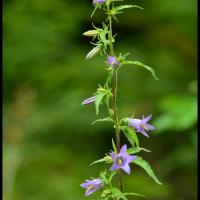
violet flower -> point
(111, 60)
(99, 1)
(122, 160)
(140, 125)
(89, 100)
(92, 186)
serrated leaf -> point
(122, 7)
(140, 64)
(114, 146)
(110, 76)
(136, 150)
(130, 135)
(99, 97)
(147, 167)
(106, 119)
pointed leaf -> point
(122, 7)
(136, 150)
(97, 161)
(130, 135)
(114, 146)
(140, 64)
(106, 119)
(146, 166)
(99, 97)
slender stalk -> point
(116, 118)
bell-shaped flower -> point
(91, 186)
(122, 160)
(140, 125)
(99, 1)
(112, 61)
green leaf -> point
(102, 36)
(122, 7)
(113, 173)
(146, 166)
(99, 97)
(106, 119)
(134, 194)
(130, 135)
(136, 150)
(109, 78)
(140, 64)
(106, 159)
(116, 193)
(101, 92)
(97, 161)
(114, 146)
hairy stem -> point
(116, 118)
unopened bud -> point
(108, 159)
(91, 33)
(93, 52)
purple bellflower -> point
(140, 125)
(99, 1)
(92, 186)
(122, 160)
(111, 60)
(89, 100)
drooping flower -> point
(122, 160)
(92, 186)
(111, 60)
(89, 100)
(99, 1)
(140, 125)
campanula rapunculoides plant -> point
(119, 160)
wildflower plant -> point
(118, 162)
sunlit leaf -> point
(140, 64)
(146, 166)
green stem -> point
(116, 118)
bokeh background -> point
(48, 138)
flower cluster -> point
(119, 160)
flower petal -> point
(127, 169)
(146, 119)
(131, 158)
(114, 167)
(113, 156)
(123, 150)
(150, 127)
(144, 133)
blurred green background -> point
(48, 140)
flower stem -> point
(116, 118)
